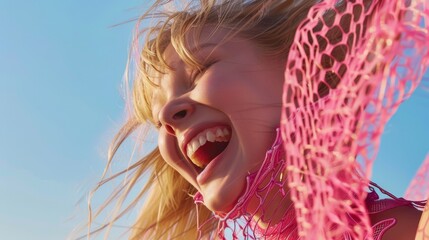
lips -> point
(206, 145)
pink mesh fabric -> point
(381, 227)
(351, 65)
(419, 187)
(267, 189)
(364, 58)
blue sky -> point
(61, 67)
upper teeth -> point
(218, 134)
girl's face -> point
(217, 124)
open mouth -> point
(207, 145)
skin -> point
(241, 88)
(423, 228)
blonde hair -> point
(169, 211)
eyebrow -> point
(195, 49)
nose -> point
(174, 114)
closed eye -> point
(199, 72)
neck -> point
(266, 201)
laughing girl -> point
(269, 115)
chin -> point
(223, 200)
(217, 206)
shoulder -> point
(423, 227)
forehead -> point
(180, 54)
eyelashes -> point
(199, 72)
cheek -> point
(218, 90)
(167, 148)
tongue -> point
(206, 153)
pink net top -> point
(243, 223)
(351, 65)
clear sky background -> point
(61, 67)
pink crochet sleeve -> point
(351, 65)
(419, 190)
(419, 187)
